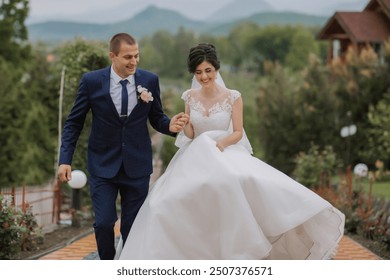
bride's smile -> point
(205, 74)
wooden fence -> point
(45, 201)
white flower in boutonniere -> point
(144, 94)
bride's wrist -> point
(220, 147)
(188, 126)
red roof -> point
(366, 26)
(370, 25)
(384, 5)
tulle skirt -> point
(230, 205)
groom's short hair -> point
(118, 39)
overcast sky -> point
(41, 10)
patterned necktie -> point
(125, 99)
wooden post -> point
(349, 184)
(23, 199)
(13, 197)
(370, 197)
(56, 202)
(59, 200)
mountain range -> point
(153, 18)
(240, 9)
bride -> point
(216, 201)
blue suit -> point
(119, 151)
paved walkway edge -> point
(85, 248)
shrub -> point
(315, 168)
(9, 232)
(365, 215)
(18, 230)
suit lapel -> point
(137, 81)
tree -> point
(78, 57)
(317, 112)
(39, 127)
(361, 83)
(184, 40)
(27, 122)
(297, 112)
(13, 32)
(241, 44)
(24, 119)
(164, 44)
(303, 44)
(149, 57)
(273, 43)
(277, 104)
(378, 145)
(11, 121)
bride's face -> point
(205, 74)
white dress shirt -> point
(116, 91)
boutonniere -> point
(144, 94)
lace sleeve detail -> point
(186, 95)
(234, 94)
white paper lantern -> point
(79, 179)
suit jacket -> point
(113, 141)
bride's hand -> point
(220, 146)
(178, 122)
(185, 119)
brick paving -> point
(78, 250)
(349, 249)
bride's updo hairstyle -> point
(202, 52)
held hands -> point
(64, 173)
(178, 122)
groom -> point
(119, 146)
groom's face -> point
(126, 61)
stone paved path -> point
(85, 249)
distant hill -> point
(240, 9)
(153, 19)
(59, 31)
(144, 23)
(272, 18)
(285, 18)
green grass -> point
(379, 189)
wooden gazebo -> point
(357, 29)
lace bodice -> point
(214, 116)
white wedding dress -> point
(229, 205)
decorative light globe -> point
(79, 179)
(360, 170)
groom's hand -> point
(64, 173)
(178, 122)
